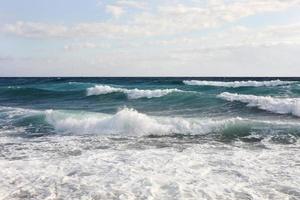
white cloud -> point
(78, 46)
(5, 58)
(164, 20)
(35, 30)
(186, 18)
(153, 40)
(116, 11)
(132, 4)
(43, 30)
(236, 37)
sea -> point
(150, 138)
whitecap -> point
(131, 93)
(272, 104)
(235, 84)
(130, 122)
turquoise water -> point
(112, 138)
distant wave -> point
(236, 84)
(131, 93)
(275, 105)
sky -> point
(150, 38)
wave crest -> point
(131, 93)
(275, 105)
(235, 84)
(129, 122)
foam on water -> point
(131, 93)
(272, 104)
(235, 84)
(131, 122)
(179, 147)
(13, 112)
(76, 168)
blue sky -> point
(150, 38)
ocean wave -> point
(12, 112)
(235, 84)
(40, 93)
(130, 122)
(131, 93)
(272, 104)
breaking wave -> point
(131, 93)
(236, 84)
(130, 122)
(275, 105)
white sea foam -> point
(13, 112)
(131, 93)
(126, 121)
(131, 122)
(73, 166)
(235, 84)
(272, 104)
(78, 168)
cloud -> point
(132, 4)
(35, 29)
(171, 37)
(165, 19)
(186, 18)
(44, 30)
(236, 37)
(116, 11)
(78, 46)
(5, 58)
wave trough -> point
(272, 104)
(131, 93)
(235, 84)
